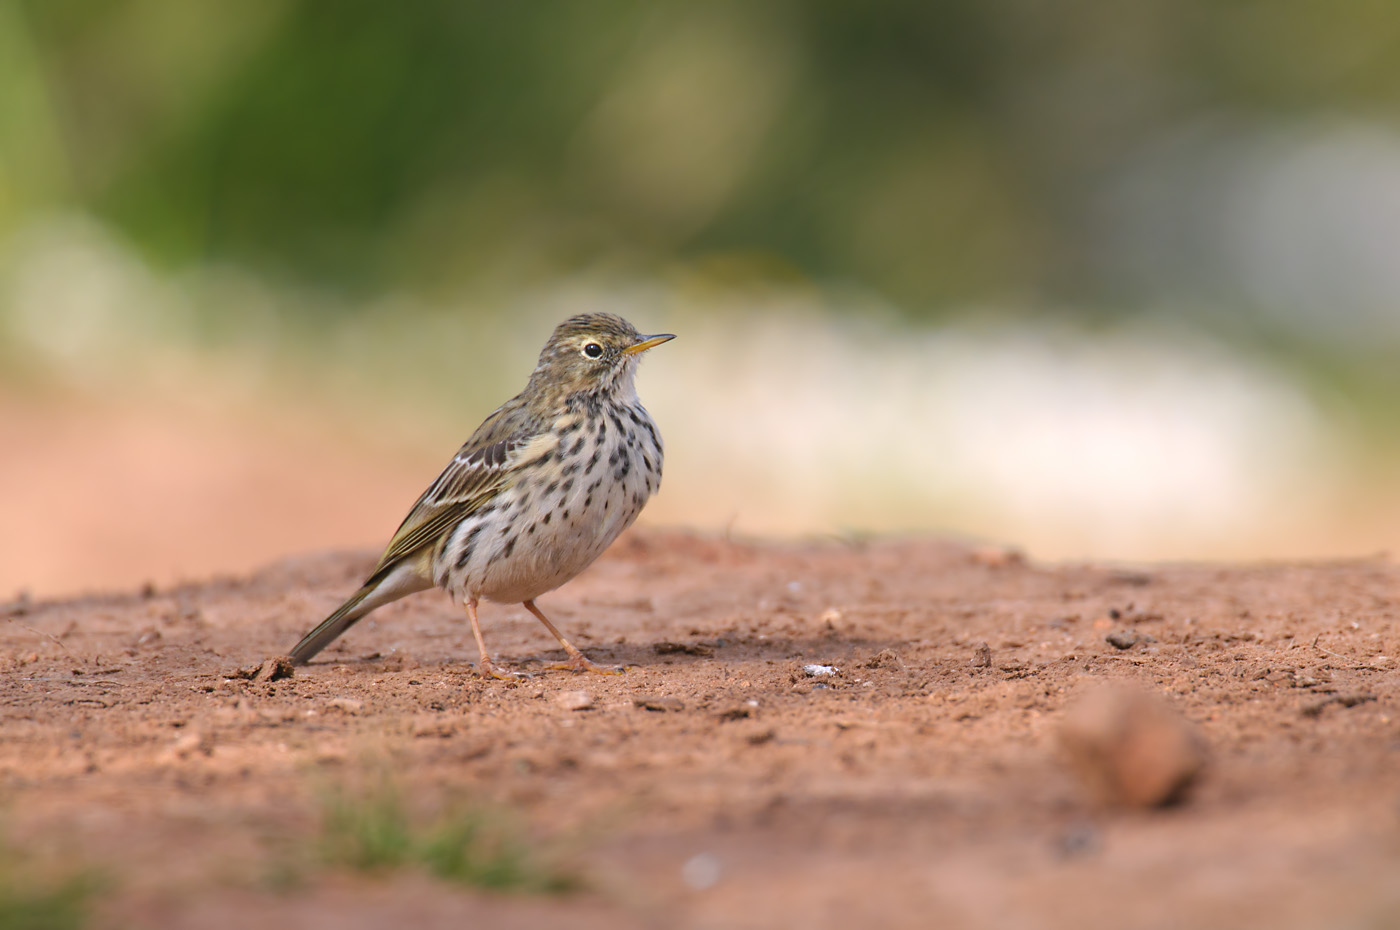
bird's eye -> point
(593, 350)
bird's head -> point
(592, 353)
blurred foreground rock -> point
(1130, 748)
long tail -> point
(378, 591)
(326, 632)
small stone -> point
(574, 700)
(1124, 639)
(1131, 748)
(982, 656)
(701, 872)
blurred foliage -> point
(937, 152)
(471, 847)
(39, 893)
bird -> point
(543, 486)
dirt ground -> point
(715, 783)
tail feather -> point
(326, 632)
(387, 585)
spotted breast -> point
(592, 473)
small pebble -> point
(574, 700)
(982, 656)
(1130, 747)
(701, 872)
(1126, 639)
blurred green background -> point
(1109, 280)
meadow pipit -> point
(537, 493)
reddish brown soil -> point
(922, 786)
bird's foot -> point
(578, 662)
(488, 669)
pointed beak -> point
(647, 342)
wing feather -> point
(473, 477)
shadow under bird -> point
(542, 487)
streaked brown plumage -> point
(537, 493)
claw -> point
(487, 669)
(580, 663)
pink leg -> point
(577, 662)
(485, 666)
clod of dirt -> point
(690, 649)
(1131, 748)
(1126, 639)
(275, 669)
(1346, 700)
(982, 656)
(885, 658)
(820, 671)
(659, 704)
(574, 700)
(346, 705)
